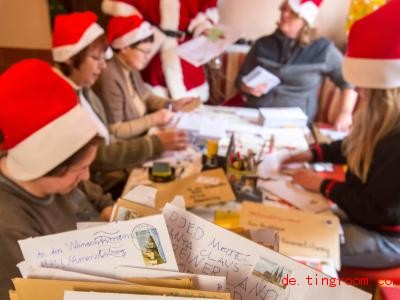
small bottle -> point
(212, 153)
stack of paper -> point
(127, 257)
(284, 117)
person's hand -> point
(181, 104)
(161, 117)
(344, 121)
(106, 213)
(257, 91)
(172, 139)
(294, 157)
(307, 179)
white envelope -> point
(141, 242)
(252, 271)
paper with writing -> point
(142, 243)
(297, 195)
(204, 248)
(213, 187)
(300, 233)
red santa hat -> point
(42, 123)
(307, 9)
(125, 31)
(73, 32)
(122, 8)
(373, 53)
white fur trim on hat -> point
(118, 9)
(48, 147)
(372, 73)
(63, 53)
(144, 31)
(307, 10)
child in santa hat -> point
(300, 62)
(80, 52)
(50, 142)
(370, 194)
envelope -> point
(42, 289)
(252, 271)
(208, 187)
(300, 233)
(141, 242)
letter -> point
(183, 222)
(308, 280)
(198, 234)
(173, 216)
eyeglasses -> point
(98, 59)
(145, 52)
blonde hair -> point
(378, 116)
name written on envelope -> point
(252, 271)
(141, 243)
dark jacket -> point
(374, 204)
(301, 70)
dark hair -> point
(77, 59)
(62, 168)
(149, 39)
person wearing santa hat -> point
(50, 142)
(370, 194)
(80, 52)
(131, 108)
(179, 20)
(300, 62)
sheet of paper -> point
(297, 196)
(259, 76)
(142, 242)
(300, 233)
(205, 248)
(142, 194)
(201, 49)
(72, 295)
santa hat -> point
(307, 9)
(373, 53)
(121, 8)
(73, 32)
(42, 123)
(125, 31)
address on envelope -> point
(140, 243)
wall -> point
(255, 18)
(24, 24)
